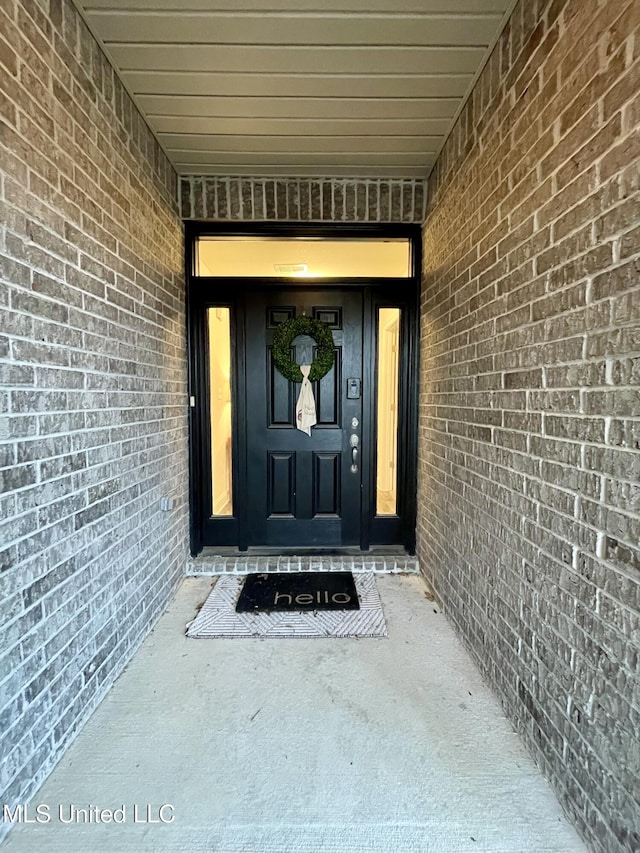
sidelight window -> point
(387, 381)
(219, 329)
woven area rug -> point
(218, 618)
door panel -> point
(281, 471)
(327, 394)
(302, 490)
(326, 484)
(280, 396)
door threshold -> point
(374, 551)
(217, 563)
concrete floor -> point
(313, 746)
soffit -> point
(304, 87)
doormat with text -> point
(306, 591)
(218, 617)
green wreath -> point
(290, 329)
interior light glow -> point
(291, 269)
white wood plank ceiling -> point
(298, 87)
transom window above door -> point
(305, 257)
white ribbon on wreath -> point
(306, 405)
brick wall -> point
(92, 358)
(529, 508)
(302, 199)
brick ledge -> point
(379, 564)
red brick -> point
(587, 210)
(630, 243)
(591, 151)
(617, 280)
(8, 58)
(624, 90)
(618, 220)
(622, 155)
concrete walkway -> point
(301, 746)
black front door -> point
(280, 487)
(304, 490)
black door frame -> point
(202, 292)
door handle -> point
(354, 441)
